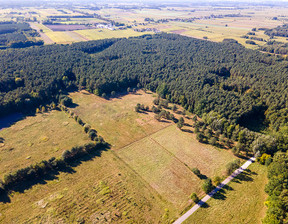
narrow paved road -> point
(208, 196)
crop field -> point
(65, 37)
(33, 139)
(241, 202)
(212, 23)
(66, 27)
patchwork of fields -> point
(212, 23)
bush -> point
(217, 180)
(194, 197)
(200, 137)
(196, 171)
(263, 158)
(213, 141)
(66, 101)
(232, 166)
(87, 127)
(207, 186)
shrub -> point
(230, 167)
(66, 155)
(196, 171)
(217, 180)
(194, 197)
(213, 141)
(207, 186)
(87, 127)
(80, 121)
(66, 101)
(92, 134)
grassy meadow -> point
(98, 189)
(116, 119)
(37, 138)
(165, 159)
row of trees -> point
(39, 170)
(92, 133)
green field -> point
(241, 202)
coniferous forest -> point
(240, 84)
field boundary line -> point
(138, 140)
(172, 154)
(139, 176)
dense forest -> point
(202, 76)
(277, 189)
(281, 31)
(17, 35)
(241, 84)
(275, 47)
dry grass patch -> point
(38, 138)
(116, 119)
(103, 187)
(210, 160)
(165, 159)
